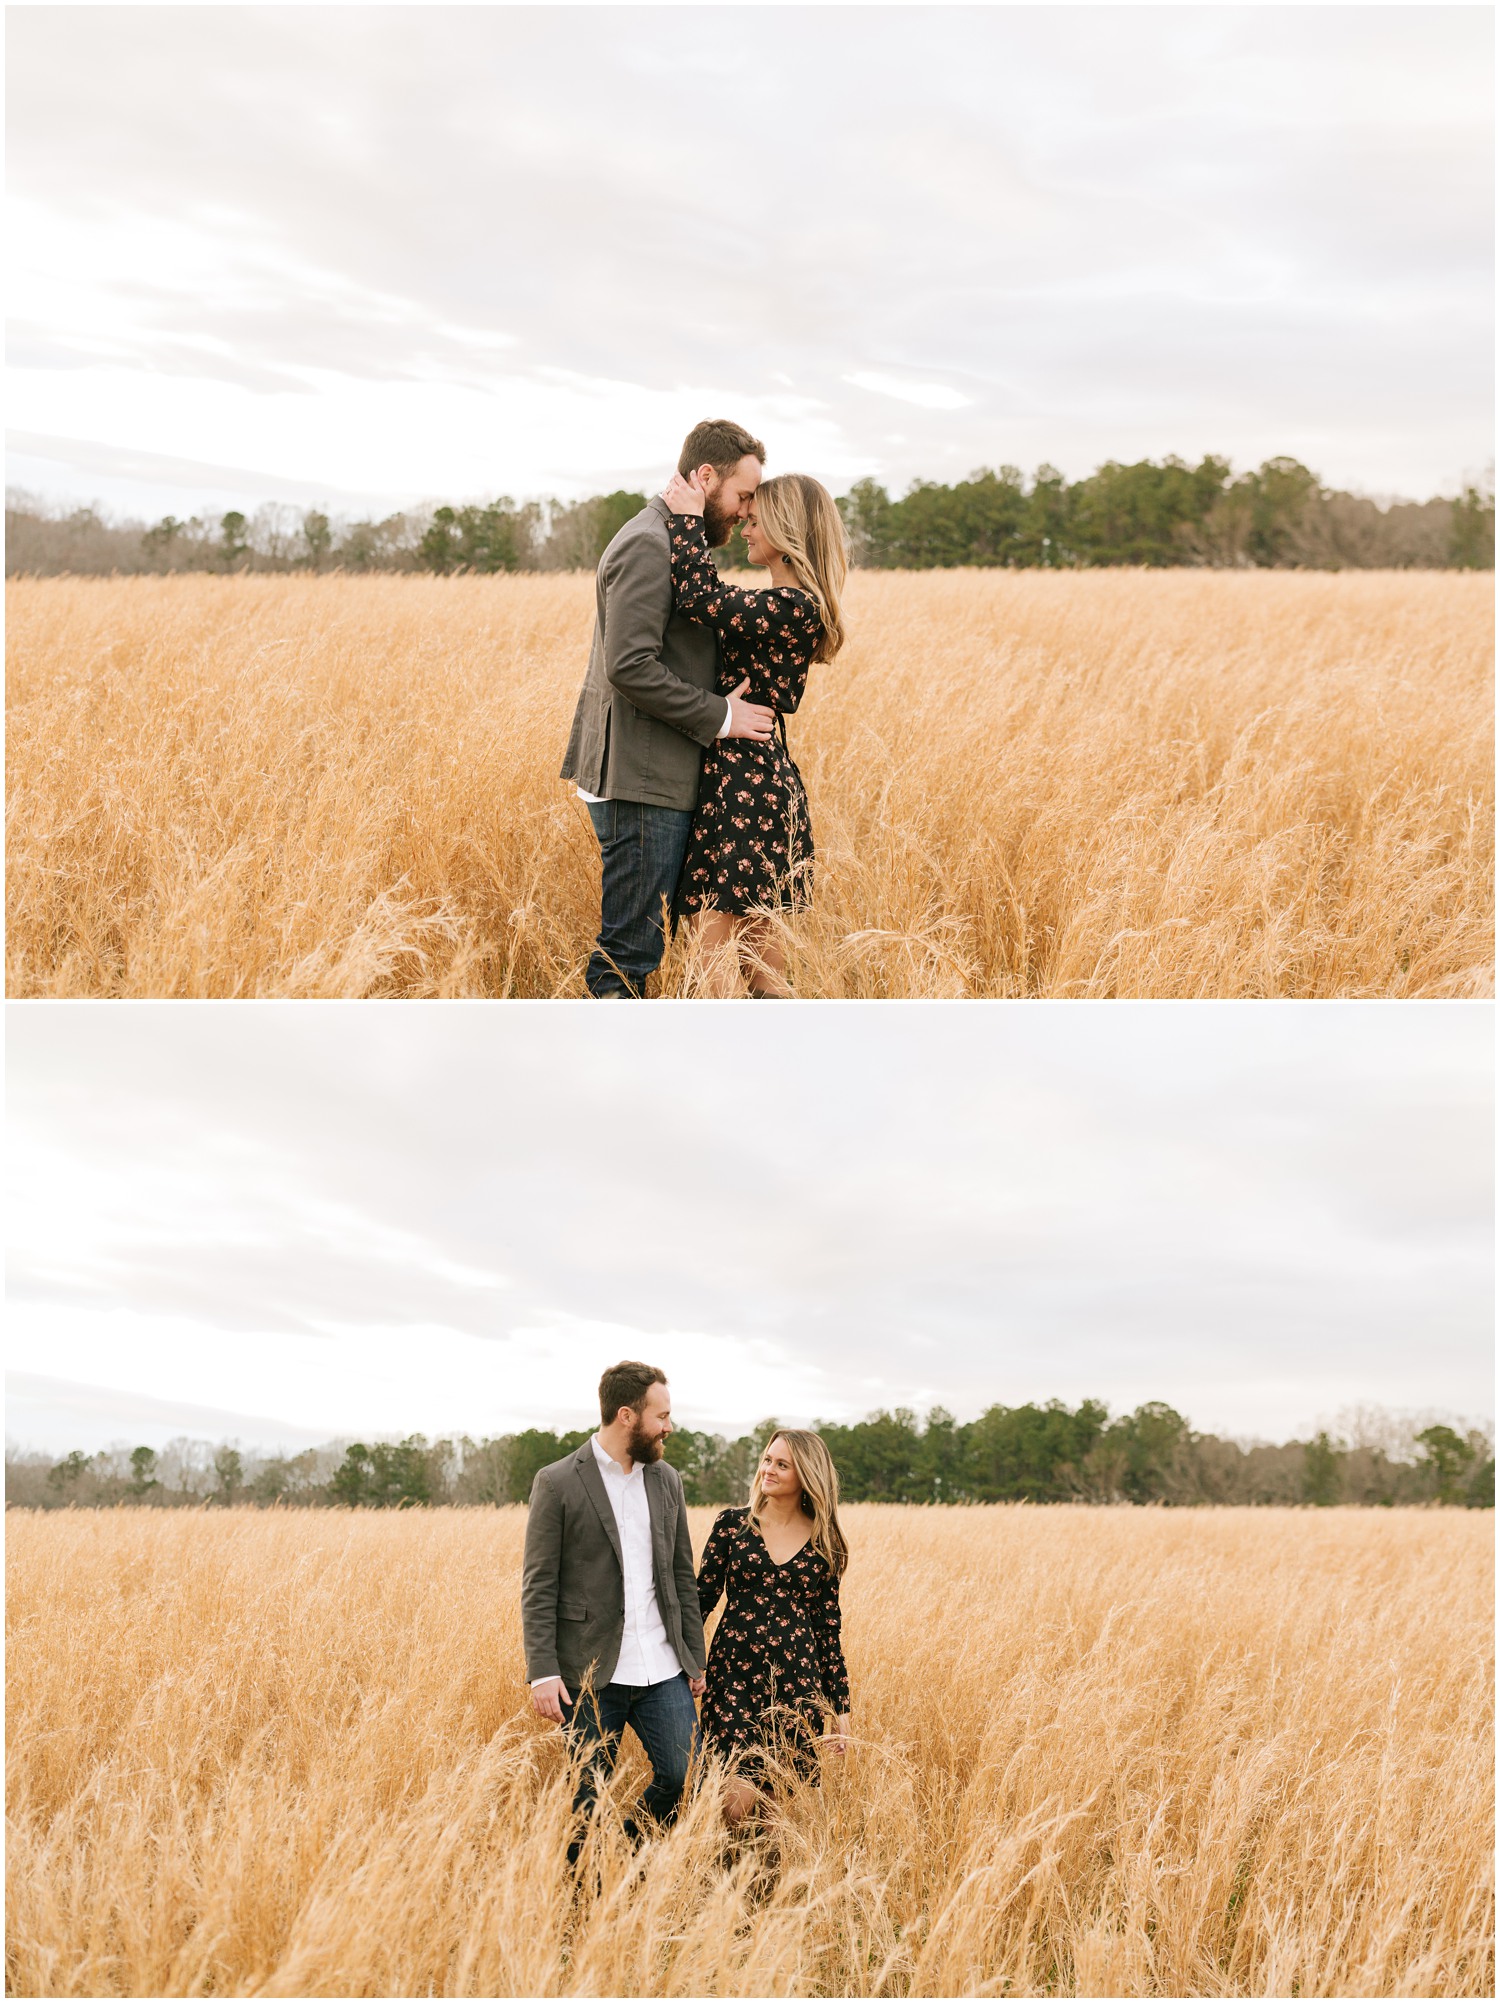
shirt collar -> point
(609, 1465)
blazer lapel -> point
(663, 1506)
(593, 1488)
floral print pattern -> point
(750, 844)
(776, 1664)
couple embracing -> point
(678, 746)
(612, 1610)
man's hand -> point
(683, 497)
(748, 719)
(548, 1699)
(697, 1684)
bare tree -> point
(275, 535)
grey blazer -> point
(573, 1579)
(647, 708)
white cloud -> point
(926, 396)
(369, 1220)
(409, 438)
(244, 238)
(407, 1378)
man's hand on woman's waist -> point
(747, 719)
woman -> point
(750, 847)
(776, 1668)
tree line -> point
(483, 538)
(1010, 1453)
(1149, 513)
(1278, 517)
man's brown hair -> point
(718, 443)
(627, 1383)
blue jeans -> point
(665, 1720)
(642, 849)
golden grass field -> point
(1097, 1752)
(1113, 783)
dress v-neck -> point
(780, 1563)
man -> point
(609, 1598)
(647, 709)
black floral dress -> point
(750, 844)
(776, 1665)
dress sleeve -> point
(827, 1630)
(779, 627)
(697, 588)
(711, 1567)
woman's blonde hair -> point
(820, 1495)
(799, 519)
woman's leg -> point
(764, 961)
(717, 947)
(741, 1799)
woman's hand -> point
(683, 497)
(837, 1741)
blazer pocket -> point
(572, 1610)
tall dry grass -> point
(1097, 1752)
(1115, 783)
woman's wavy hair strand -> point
(799, 517)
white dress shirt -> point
(646, 1656)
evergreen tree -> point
(68, 1472)
(1472, 536)
(1321, 1475)
(233, 547)
(1449, 1461)
(229, 1468)
(317, 538)
(533, 1450)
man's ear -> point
(706, 477)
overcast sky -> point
(288, 1223)
(370, 255)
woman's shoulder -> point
(783, 594)
(817, 1562)
(798, 607)
(731, 1516)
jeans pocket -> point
(602, 814)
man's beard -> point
(718, 524)
(643, 1449)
